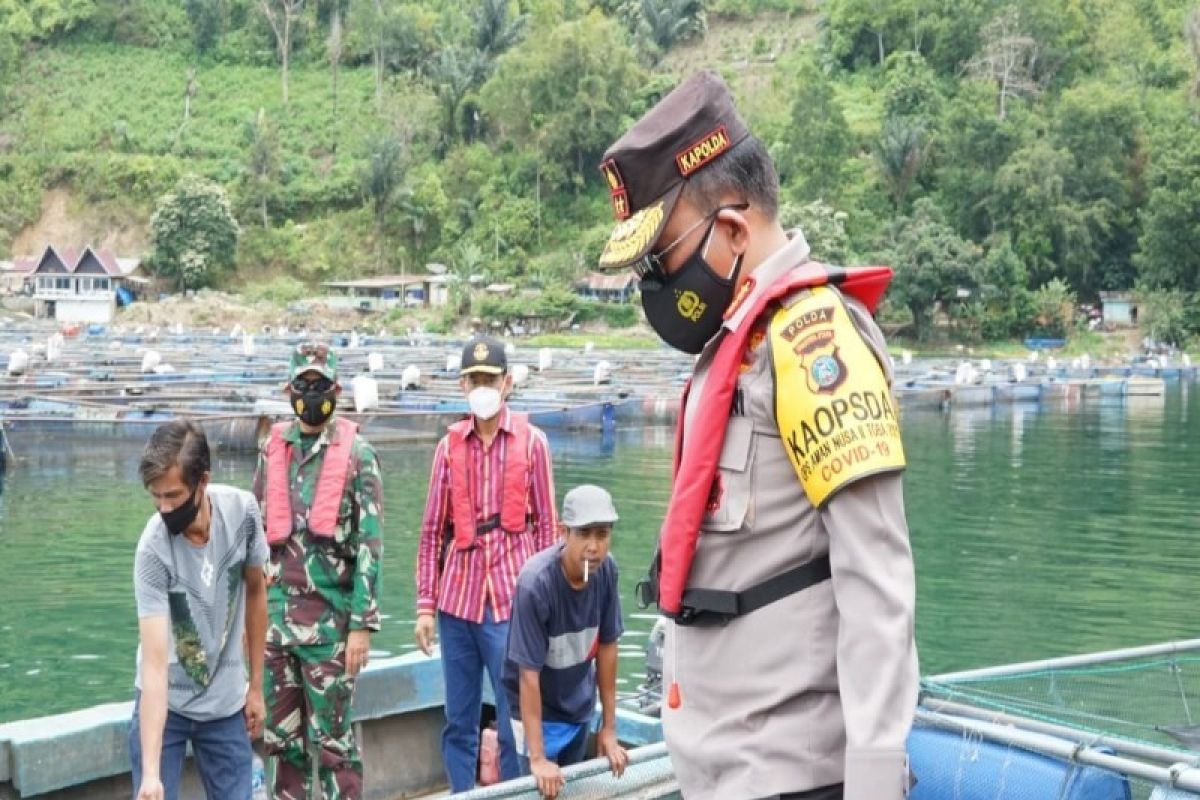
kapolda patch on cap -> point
(696, 155)
(616, 188)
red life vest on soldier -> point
(331, 483)
(514, 496)
(696, 457)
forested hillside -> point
(1010, 157)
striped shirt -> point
(484, 576)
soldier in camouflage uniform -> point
(326, 549)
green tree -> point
(570, 90)
(900, 153)
(1101, 127)
(932, 263)
(972, 147)
(811, 149)
(1030, 202)
(1054, 308)
(823, 226)
(206, 19)
(382, 178)
(1169, 246)
(666, 23)
(496, 29)
(193, 233)
(910, 88)
(1006, 303)
(1168, 316)
(260, 173)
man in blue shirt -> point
(562, 644)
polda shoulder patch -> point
(835, 410)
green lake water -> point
(1038, 531)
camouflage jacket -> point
(321, 589)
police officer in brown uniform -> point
(784, 561)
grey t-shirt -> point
(202, 592)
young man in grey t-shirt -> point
(199, 585)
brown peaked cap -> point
(647, 167)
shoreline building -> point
(83, 286)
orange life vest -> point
(515, 494)
(696, 456)
(335, 471)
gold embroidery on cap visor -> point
(631, 238)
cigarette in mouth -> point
(585, 571)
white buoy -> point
(411, 377)
(1187, 360)
(906, 357)
(216, 331)
(248, 344)
(18, 362)
(510, 349)
(163, 369)
(965, 374)
(235, 332)
(1085, 361)
(178, 328)
(1034, 355)
(985, 365)
(520, 374)
(587, 347)
(1076, 363)
(1051, 363)
(545, 359)
(115, 344)
(1164, 360)
(354, 340)
(366, 392)
(1018, 372)
(150, 360)
(602, 373)
(375, 362)
(54, 346)
(454, 362)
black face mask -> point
(178, 519)
(687, 309)
(314, 407)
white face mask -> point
(484, 401)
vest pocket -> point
(729, 502)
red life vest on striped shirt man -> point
(514, 503)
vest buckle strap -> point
(718, 606)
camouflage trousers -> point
(308, 695)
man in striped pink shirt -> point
(490, 507)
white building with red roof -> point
(83, 285)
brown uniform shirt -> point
(819, 687)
